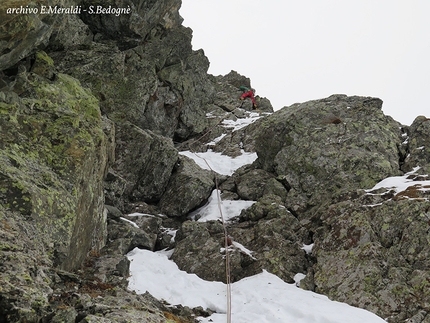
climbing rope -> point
(226, 238)
(226, 242)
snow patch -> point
(242, 248)
(222, 164)
(308, 248)
(263, 298)
(401, 183)
(217, 139)
(141, 214)
(298, 278)
(210, 211)
(128, 221)
(240, 123)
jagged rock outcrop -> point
(143, 166)
(148, 84)
(140, 72)
(417, 139)
(22, 34)
(146, 18)
(195, 185)
(317, 164)
(374, 255)
(327, 148)
(54, 155)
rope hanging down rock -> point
(226, 243)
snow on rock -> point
(401, 183)
(243, 249)
(241, 122)
(155, 273)
(128, 221)
(261, 298)
(308, 248)
(219, 163)
(210, 211)
(298, 277)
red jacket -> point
(248, 94)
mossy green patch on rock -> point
(54, 158)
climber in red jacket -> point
(247, 92)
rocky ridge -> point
(95, 114)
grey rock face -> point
(189, 188)
(326, 148)
(54, 155)
(22, 34)
(146, 19)
(374, 255)
(274, 241)
(143, 165)
(418, 143)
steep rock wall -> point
(138, 70)
(54, 154)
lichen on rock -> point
(54, 157)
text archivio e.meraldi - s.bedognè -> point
(53, 10)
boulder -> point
(189, 188)
(249, 183)
(328, 147)
(200, 250)
(274, 244)
(124, 237)
(143, 166)
(266, 206)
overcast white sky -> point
(301, 50)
